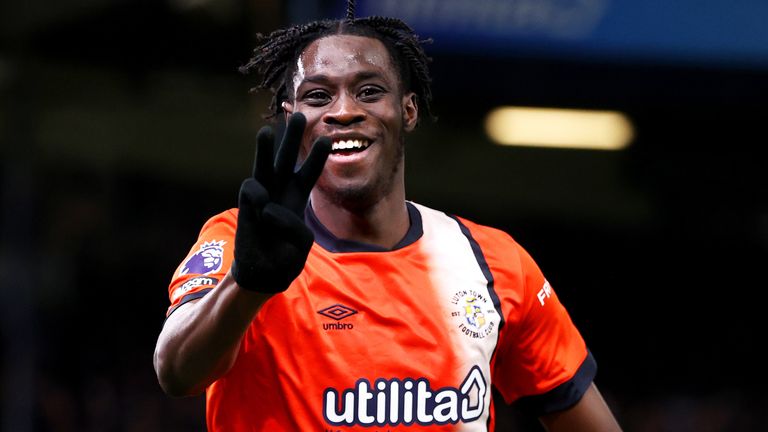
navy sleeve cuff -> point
(188, 298)
(566, 394)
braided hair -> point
(275, 57)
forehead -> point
(340, 55)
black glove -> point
(272, 242)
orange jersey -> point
(411, 338)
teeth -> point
(349, 145)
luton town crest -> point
(474, 313)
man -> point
(336, 303)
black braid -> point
(416, 74)
(274, 59)
(350, 10)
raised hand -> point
(272, 242)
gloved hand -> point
(272, 242)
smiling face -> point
(349, 90)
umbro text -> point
(338, 326)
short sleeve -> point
(542, 359)
(207, 262)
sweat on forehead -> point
(349, 39)
(342, 55)
(275, 58)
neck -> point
(383, 224)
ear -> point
(288, 108)
(410, 111)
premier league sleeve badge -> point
(208, 259)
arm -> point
(201, 339)
(590, 414)
(545, 349)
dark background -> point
(124, 125)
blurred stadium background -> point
(124, 124)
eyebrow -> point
(324, 79)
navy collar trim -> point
(331, 243)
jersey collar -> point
(331, 243)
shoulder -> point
(486, 235)
(225, 218)
(497, 247)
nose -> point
(345, 110)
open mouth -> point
(348, 147)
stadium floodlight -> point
(559, 128)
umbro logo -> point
(337, 312)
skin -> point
(347, 88)
(590, 414)
(359, 96)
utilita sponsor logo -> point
(394, 402)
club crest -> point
(473, 313)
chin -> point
(355, 198)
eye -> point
(371, 93)
(316, 97)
